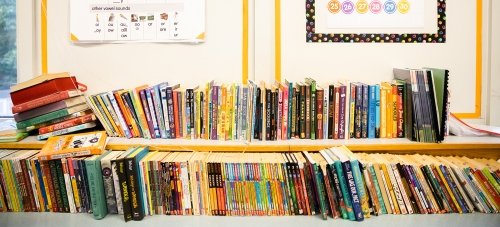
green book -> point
(62, 186)
(312, 82)
(96, 185)
(491, 179)
(343, 185)
(51, 116)
(371, 170)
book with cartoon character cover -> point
(75, 145)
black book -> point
(258, 113)
(292, 195)
(409, 99)
(85, 186)
(302, 112)
(274, 110)
(201, 108)
(331, 110)
(134, 182)
(268, 113)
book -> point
(68, 123)
(66, 130)
(49, 108)
(75, 145)
(52, 116)
(96, 186)
(41, 89)
(48, 99)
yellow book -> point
(74, 145)
(109, 128)
(391, 189)
(113, 122)
(440, 173)
(138, 107)
(389, 108)
(383, 112)
(394, 111)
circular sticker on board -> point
(362, 6)
(347, 7)
(375, 7)
(390, 7)
(334, 6)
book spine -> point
(67, 124)
(152, 111)
(244, 114)
(337, 113)
(307, 111)
(352, 111)
(44, 188)
(383, 112)
(62, 186)
(66, 130)
(98, 200)
(32, 104)
(331, 110)
(35, 186)
(364, 113)
(69, 189)
(133, 182)
(346, 190)
(325, 113)
(43, 89)
(74, 184)
(155, 96)
(319, 116)
(139, 112)
(119, 115)
(109, 191)
(268, 114)
(353, 189)
(24, 185)
(342, 113)
(129, 106)
(214, 116)
(314, 111)
(47, 175)
(164, 104)
(43, 118)
(377, 111)
(147, 113)
(100, 115)
(400, 112)
(302, 108)
(279, 115)
(291, 96)
(124, 189)
(371, 111)
(55, 183)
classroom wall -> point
(494, 83)
(111, 66)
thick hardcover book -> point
(43, 89)
(49, 108)
(51, 116)
(96, 187)
(45, 100)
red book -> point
(45, 100)
(43, 89)
(176, 116)
(68, 123)
(487, 186)
(319, 113)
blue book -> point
(371, 111)
(42, 184)
(352, 185)
(159, 111)
(364, 113)
(377, 111)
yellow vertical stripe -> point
(43, 15)
(277, 40)
(245, 43)
(479, 64)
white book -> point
(69, 188)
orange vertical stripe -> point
(277, 40)
(43, 14)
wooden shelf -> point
(487, 147)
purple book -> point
(145, 106)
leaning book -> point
(75, 145)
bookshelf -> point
(83, 220)
(477, 147)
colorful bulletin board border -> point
(312, 36)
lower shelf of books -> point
(81, 220)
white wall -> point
(111, 66)
(106, 67)
(494, 83)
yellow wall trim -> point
(277, 40)
(43, 14)
(244, 50)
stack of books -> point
(415, 107)
(53, 104)
(9, 132)
(333, 183)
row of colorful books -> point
(332, 183)
(53, 104)
(411, 106)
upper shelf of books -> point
(452, 145)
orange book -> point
(394, 111)
(83, 144)
(140, 111)
(126, 113)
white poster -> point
(98, 21)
